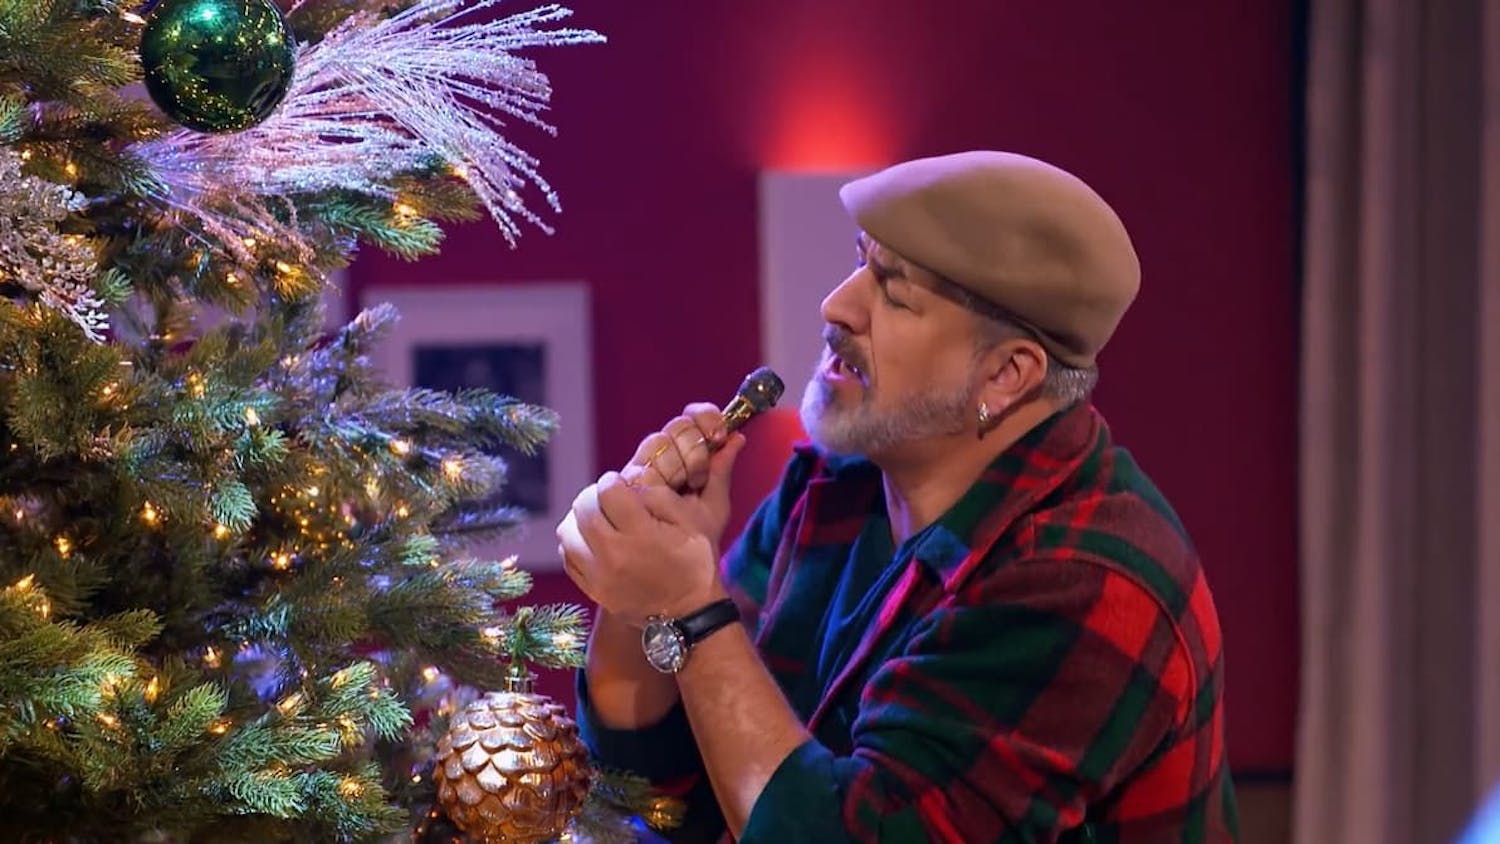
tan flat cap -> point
(1021, 233)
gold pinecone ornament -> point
(511, 769)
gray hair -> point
(1063, 383)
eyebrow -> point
(883, 271)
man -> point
(965, 615)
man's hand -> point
(679, 457)
(638, 550)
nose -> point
(847, 305)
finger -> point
(667, 507)
(657, 461)
(578, 553)
(693, 452)
(587, 517)
(721, 470)
(620, 503)
(710, 421)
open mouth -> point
(844, 369)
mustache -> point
(841, 343)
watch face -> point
(665, 648)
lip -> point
(835, 369)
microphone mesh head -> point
(762, 389)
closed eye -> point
(885, 291)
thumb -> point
(665, 505)
(721, 469)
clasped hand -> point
(645, 541)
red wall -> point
(1179, 113)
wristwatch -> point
(667, 641)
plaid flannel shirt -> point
(1044, 663)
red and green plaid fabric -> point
(1042, 664)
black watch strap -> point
(697, 626)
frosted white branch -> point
(35, 255)
(429, 86)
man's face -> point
(898, 371)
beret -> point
(1025, 235)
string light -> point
(131, 17)
(312, 492)
(290, 703)
(221, 532)
(251, 417)
(153, 689)
(220, 727)
(195, 385)
(453, 468)
(404, 211)
(351, 787)
(211, 657)
(401, 511)
(64, 546)
(401, 447)
(149, 514)
(431, 674)
(109, 720)
(281, 560)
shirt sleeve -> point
(1006, 712)
(665, 753)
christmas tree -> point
(235, 600)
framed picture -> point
(530, 341)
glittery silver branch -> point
(36, 256)
(375, 97)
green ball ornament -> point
(217, 65)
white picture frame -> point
(532, 335)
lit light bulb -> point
(149, 514)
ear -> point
(1014, 373)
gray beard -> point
(863, 430)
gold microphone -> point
(758, 393)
